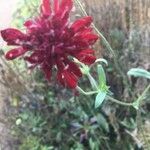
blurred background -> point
(6, 11)
(37, 116)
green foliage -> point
(101, 77)
(100, 98)
(62, 121)
(129, 123)
(103, 89)
(26, 9)
(103, 123)
(33, 143)
(137, 72)
(117, 38)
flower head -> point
(51, 41)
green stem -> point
(110, 98)
(85, 93)
(119, 102)
(94, 85)
(96, 29)
(139, 100)
(106, 43)
(93, 82)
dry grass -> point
(128, 13)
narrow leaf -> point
(137, 72)
(102, 122)
(102, 60)
(100, 98)
(101, 76)
(136, 105)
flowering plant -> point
(52, 42)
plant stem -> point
(119, 102)
(96, 29)
(106, 43)
(86, 93)
(92, 81)
(139, 100)
(139, 118)
(94, 84)
(110, 98)
(116, 64)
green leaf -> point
(102, 60)
(100, 98)
(129, 123)
(92, 145)
(93, 82)
(101, 77)
(136, 105)
(85, 69)
(102, 122)
(137, 72)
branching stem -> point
(85, 93)
(119, 102)
(107, 45)
(139, 100)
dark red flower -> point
(51, 41)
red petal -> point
(56, 6)
(70, 80)
(47, 69)
(46, 8)
(87, 51)
(60, 19)
(81, 23)
(66, 4)
(31, 24)
(60, 64)
(65, 8)
(35, 58)
(12, 36)
(90, 38)
(14, 53)
(80, 43)
(67, 79)
(87, 59)
(85, 31)
(75, 69)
